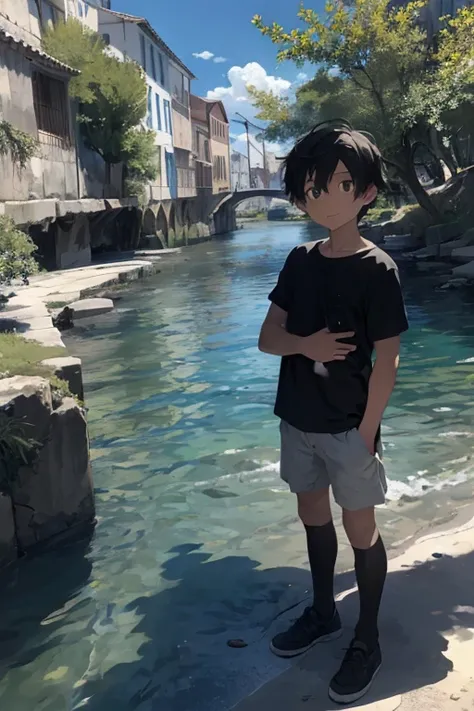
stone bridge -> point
(186, 220)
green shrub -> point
(16, 449)
(16, 253)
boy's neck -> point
(346, 238)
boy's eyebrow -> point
(343, 172)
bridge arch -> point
(224, 212)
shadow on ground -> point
(186, 664)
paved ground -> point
(28, 309)
(427, 636)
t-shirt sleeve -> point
(282, 294)
(386, 313)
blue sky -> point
(223, 29)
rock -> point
(399, 243)
(55, 492)
(437, 555)
(63, 321)
(467, 239)
(425, 252)
(91, 307)
(437, 234)
(454, 284)
(237, 643)
(465, 271)
(28, 399)
(70, 370)
(463, 254)
(8, 551)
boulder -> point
(467, 239)
(70, 370)
(28, 399)
(464, 271)
(399, 243)
(437, 234)
(463, 254)
(55, 493)
(425, 252)
(91, 307)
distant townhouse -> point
(211, 144)
(168, 82)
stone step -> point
(463, 254)
(464, 270)
(91, 307)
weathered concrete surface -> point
(91, 307)
(427, 637)
(28, 212)
(68, 369)
(8, 549)
(73, 242)
(28, 399)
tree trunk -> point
(406, 171)
(442, 152)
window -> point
(51, 105)
(179, 86)
(50, 15)
(207, 153)
(106, 38)
(220, 168)
(158, 112)
(162, 69)
(149, 117)
(152, 62)
(167, 110)
(143, 50)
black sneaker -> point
(356, 675)
(307, 631)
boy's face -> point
(338, 206)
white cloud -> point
(203, 55)
(334, 72)
(235, 95)
(302, 77)
(219, 60)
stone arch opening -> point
(162, 225)
(149, 222)
(172, 226)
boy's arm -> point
(274, 338)
(381, 384)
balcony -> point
(186, 182)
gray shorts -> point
(312, 461)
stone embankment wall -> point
(50, 492)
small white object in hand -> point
(320, 369)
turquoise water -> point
(197, 541)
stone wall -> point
(50, 492)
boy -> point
(335, 302)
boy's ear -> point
(370, 195)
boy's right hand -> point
(325, 346)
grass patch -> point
(56, 304)
(18, 356)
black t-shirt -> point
(361, 293)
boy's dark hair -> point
(316, 155)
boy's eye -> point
(346, 186)
(314, 193)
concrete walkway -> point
(27, 312)
(427, 629)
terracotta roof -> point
(35, 53)
(142, 21)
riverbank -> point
(427, 635)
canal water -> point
(197, 541)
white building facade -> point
(134, 38)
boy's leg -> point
(359, 484)
(305, 472)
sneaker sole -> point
(296, 652)
(352, 698)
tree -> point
(19, 145)
(112, 95)
(389, 78)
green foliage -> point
(389, 81)
(140, 154)
(16, 253)
(18, 144)
(16, 449)
(112, 95)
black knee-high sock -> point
(371, 571)
(322, 551)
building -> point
(211, 144)
(201, 144)
(239, 171)
(34, 98)
(431, 13)
(168, 81)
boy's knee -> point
(360, 527)
(314, 508)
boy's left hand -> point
(368, 435)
